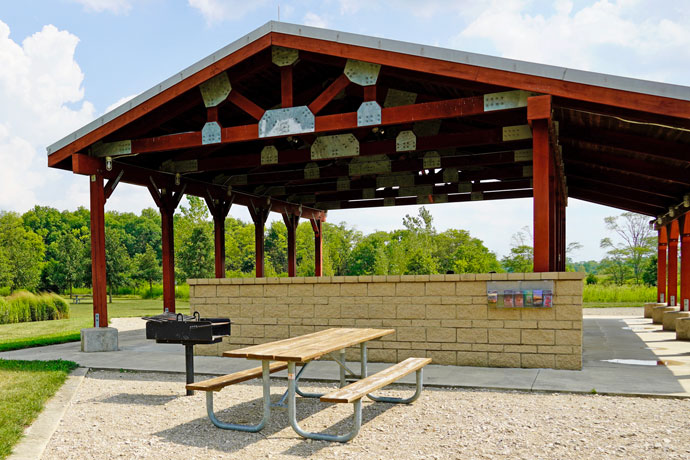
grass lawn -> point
(612, 304)
(24, 388)
(23, 335)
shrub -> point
(23, 306)
(625, 293)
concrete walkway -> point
(621, 356)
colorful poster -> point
(519, 299)
(508, 298)
(537, 297)
(548, 299)
(493, 298)
(528, 297)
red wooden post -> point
(672, 263)
(291, 222)
(685, 264)
(259, 216)
(98, 277)
(553, 222)
(538, 115)
(318, 247)
(661, 267)
(168, 252)
(219, 210)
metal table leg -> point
(189, 365)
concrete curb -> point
(36, 436)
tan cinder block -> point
(301, 311)
(456, 323)
(411, 334)
(426, 345)
(327, 311)
(354, 311)
(569, 337)
(396, 322)
(555, 324)
(456, 300)
(381, 355)
(538, 313)
(572, 276)
(353, 289)
(473, 358)
(409, 289)
(538, 337)
(437, 277)
(569, 362)
(511, 336)
(669, 319)
(569, 312)
(549, 275)
(227, 290)
(252, 330)
(379, 278)
(520, 348)
(369, 323)
(440, 311)
(205, 291)
(683, 329)
(648, 307)
(381, 289)
(495, 348)
(471, 312)
(300, 290)
(264, 320)
(522, 324)
(498, 276)
(516, 276)
(448, 358)
(207, 350)
(537, 361)
(472, 335)
(326, 290)
(300, 330)
(658, 313)
(532, 276)
(440, 334)
(487, 323)
(504, 313)
(410, 353)
(381, 311)
(426, 322)
(275, 290)
(504, 359)
(411, 311)
(276, 311)
(228, 311)
(570, 287)
(341, 322)
(440, 288)
(555, 349)
(456, 346)
(365, 279)
(252, 310)
(421, 278)
(397, 345)
(470, 288)
(350, 279)
(251, 290)
(276, 331)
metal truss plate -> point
(368, 193)
(277, 190)
(417, 190)
(506, 100)
(311, 171)
(440, 198)
(336, 146)
(432, 160)
(527, 171)
(269, 155)
(397, 98)
(362, 73)
(465, 187)
(390, 201)
(375, 164)
(477, 196)
(240, 179)
(342, 184)
(450, 175)
(210, 134)
(111, 149)
(287, 121)
(306, 198)
(427, 128)
(326, 205)
(405, 141)
(283, 56)
(215, 90)
(522, 155)
(369, 114)
(183, 166)
(516, 133)
(395, 180)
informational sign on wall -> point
(520, 294)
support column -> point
(539, 116)
(685, 263)
(672, 274)
(662, 249)
(98, 274)
(259, 216)
(291, 222)
(318, 247)
(219, 210)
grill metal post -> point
(189, 365)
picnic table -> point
(78, 297)
(287, 353)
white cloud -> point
(216, 11)
(43, 100)
(119, 102)
(114, 6)
(314, 20)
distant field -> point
(23, 335)
(598, 293)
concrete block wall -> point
(444, 317)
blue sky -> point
(66, 62)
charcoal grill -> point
(188, 331)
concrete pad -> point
(683, 329)
(670, 317)
(648, 307)
(658, 314)
(98, 339)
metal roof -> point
(444, 54)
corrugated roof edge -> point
(480, 60)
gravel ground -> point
(614, 311)
(144, 415)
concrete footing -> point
(648, 307)
(99, 339)
(683, 329)
(670, 317)
(658, 314)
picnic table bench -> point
(301, 350)
(77, 297)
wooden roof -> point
(452, 127)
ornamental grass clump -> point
(23, 306)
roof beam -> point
(615, 190)
(615, 202)
(457, 198)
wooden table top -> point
(308, 347)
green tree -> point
(147, 267)
(458, 252)
(637, 243)
(118, 264)
(649, 273)
(196, 255)
(521, 257)
(65, 268)
(22, 253)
